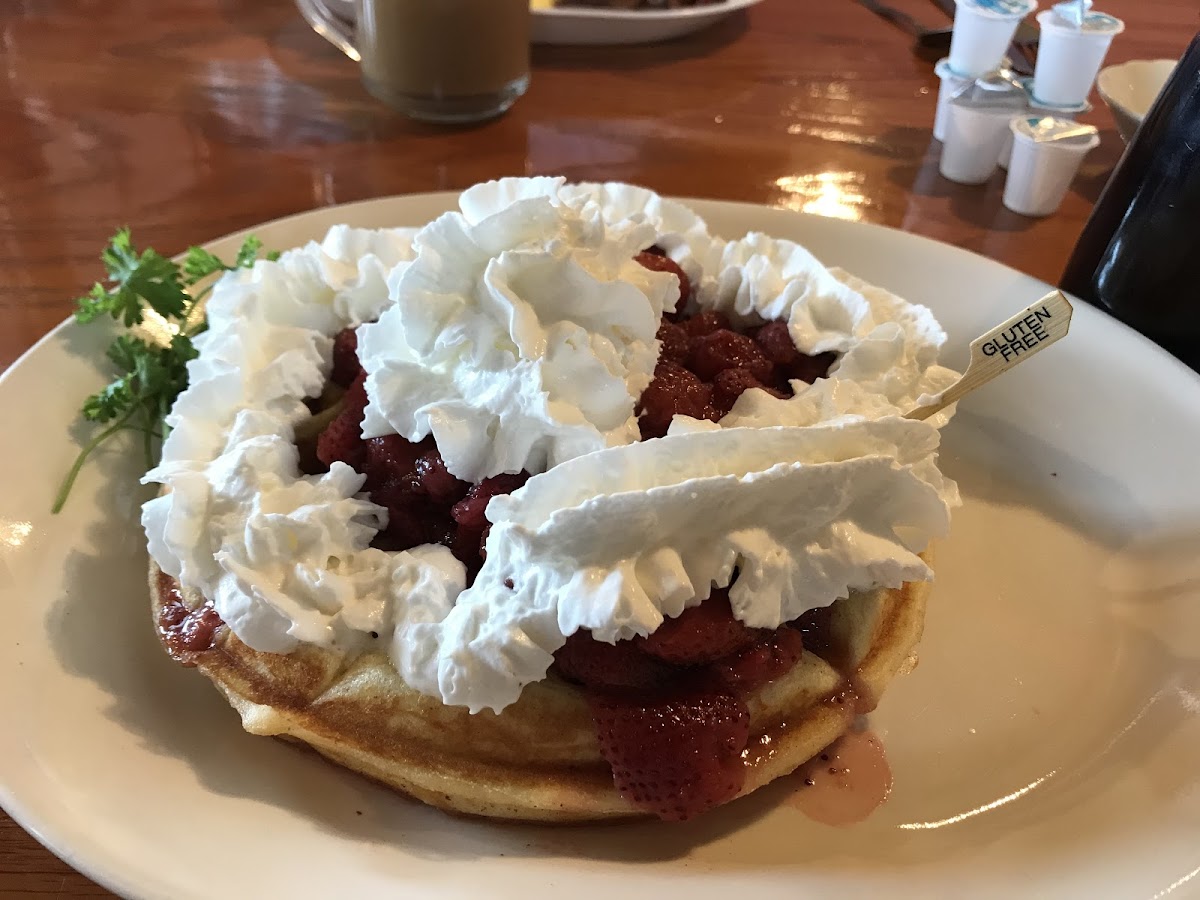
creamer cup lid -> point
(1102, 23)
(943, 71)
(991, 91)
(1051, 129)
(1089, 23)
(1072, 12)
(1000, 9)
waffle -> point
(539, 760)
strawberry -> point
(816, 629)
(345, 358)
(674, 341)
(436, 482)
(772, 655)
(342, 438)
(725, 349)
(701, 634)
(732, 383)
(676, 753)
(469, 512)
(810, 368)
(660, 262)
(392, 458)
(599, 665)
(412, 521)
(704, 322)
(674, 391)
(776, 342)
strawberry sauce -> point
(184, 633)
(844, 783)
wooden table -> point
(191, 118)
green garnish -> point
(150, 375)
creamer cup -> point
(951, 85)
(983, 29)
(1047, 153)
(1061, 112)
(975, 130)
(977, 119)
(1069, 56)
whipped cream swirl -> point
(520, 333)
(284, 557)
(619, 539)
(518, 341)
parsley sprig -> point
(150, 374)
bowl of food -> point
(1130, 89)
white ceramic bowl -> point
(1129, 90)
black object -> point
(1139, 254)
(930, 44)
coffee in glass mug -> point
(436, 60)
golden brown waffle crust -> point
(539, 760)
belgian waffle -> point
(539, 759)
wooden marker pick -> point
(1004, 347)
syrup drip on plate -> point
(845, 782)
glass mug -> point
(434, 60)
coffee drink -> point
(439, 60)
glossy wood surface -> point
(188, 119)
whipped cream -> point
(619, 539)
(284, 557)
(519, 332)
(885, 346)
(518, 341)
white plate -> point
(1048, 744)
(581, 25)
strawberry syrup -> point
(844, 783)
(184, 633)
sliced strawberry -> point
(704, 322)
(816, 629)
(391, 458)
(677, 753)
(674, 342)
(599, 665)
(810, 368)
(346, 367)
(771, 656)
(342, 438)
(435, 481)
(674, 391)
(725, 349)
(660, 262)
(470, 512)
(732, 383)
(412, 519)
(700, 634)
